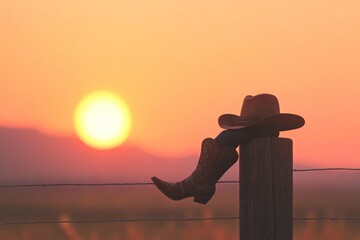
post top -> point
(270, 140)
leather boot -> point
(214, 161)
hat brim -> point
(281, 121)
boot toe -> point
(168, 189)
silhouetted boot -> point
(214, 161)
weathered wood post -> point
(266, 189)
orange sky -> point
(181, 64)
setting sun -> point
(102, 120)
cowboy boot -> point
(214, 161)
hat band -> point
(248, 118)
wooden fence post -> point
(266, 189)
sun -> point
(102, 120)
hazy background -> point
(179, 65)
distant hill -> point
(26, 155)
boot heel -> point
(204, 194)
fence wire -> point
(325, 169)
(150, 183)
(162, 220)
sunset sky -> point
(179, 65)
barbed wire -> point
(78, 184)
(327, 218)
(131, 220)
(91, 184)
(150, 183)
(325, 169)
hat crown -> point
(260, 106)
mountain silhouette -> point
(29, 156)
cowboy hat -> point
(261, 110)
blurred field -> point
(310, 200)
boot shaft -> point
(214, 161)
